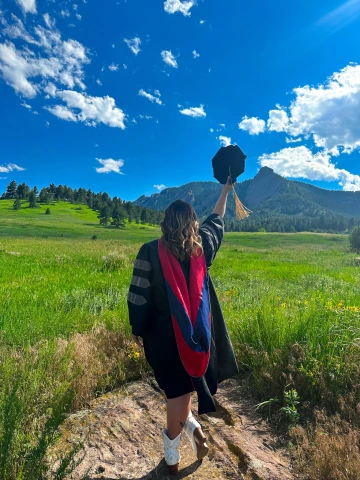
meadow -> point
(291, 301)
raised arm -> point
(220, 207)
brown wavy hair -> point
(180, 231)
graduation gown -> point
(150, 318)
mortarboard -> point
(230, 162)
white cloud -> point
(225, 141)
(27, 6)
(49, 23)
(293, 140)
(65, 13)
(278, 120)
(110, 165)
(75, 7)
(196, 54)
(29, 72)
(194, 112)
(10, 167)
(133, 44)
(113, 67)
(329, 112)
(98, 81)
(26, 105)
(160, 187)
(78, 16)
(3, 178)
(211, 130)
(169, 58)
(252, 125)
(47, 124)
(125, 66)
(81, 107)
(173, 6)
(153, 98)
(202, 22)
(63, 113)
(113, 45)
(146, 117)
(300, 162)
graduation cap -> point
(230, 162)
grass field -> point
(292, 303)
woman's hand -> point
(220, 207)
(228, 186)
(138, 341)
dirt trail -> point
(122, 433)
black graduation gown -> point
(150, 318)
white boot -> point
(193, 430)
(172, 454)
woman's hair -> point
(180, 229)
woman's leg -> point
(177, 413)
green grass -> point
(292, 303)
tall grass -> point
(292, 303)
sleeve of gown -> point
(212, 233)
(139, 297)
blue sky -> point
(130, 96)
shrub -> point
(47, 211)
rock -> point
(122, 439)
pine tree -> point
(47, 212)
(144, 217)
(11, 190)
(17, 204)
(355, 240)
(32, 199)
(23, 191)
(104, 215)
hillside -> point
(266, 192)
(66, 220)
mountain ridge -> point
(266, 192)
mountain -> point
(267, 192)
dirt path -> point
(122, 433)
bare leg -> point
(177, 413)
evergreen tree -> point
(47, 211)
(355, 240)
(104, 215)
(23, 191)
(45, 196)
(118, 216)
(32, 199)
(11, 190)
(59, 193)
(17, 204)
(144, 217)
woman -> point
(176, 317)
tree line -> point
(111, 211)
(258, 222)
(116, 212)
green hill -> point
(66, 220)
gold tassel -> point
(241, 211)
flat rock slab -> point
(122, 439)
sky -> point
(132, 96)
